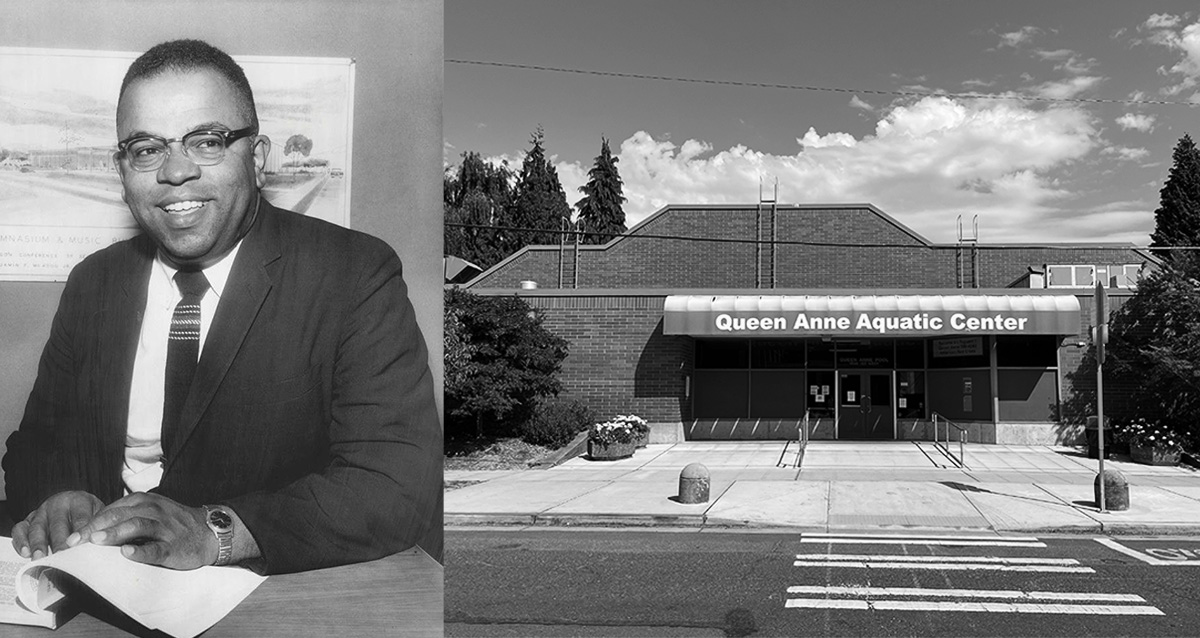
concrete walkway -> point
(840, 486)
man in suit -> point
(304, 436)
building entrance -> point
(865, 405)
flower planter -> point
(609, 451)
(641, 440)
(1151, 455)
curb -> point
(572, 520)
(698, 522)
(1150, 529)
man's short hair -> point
(190, 55)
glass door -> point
(865, 405)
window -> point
(1119, 275)
(1060, 277)
(1086, 276)
(734, 354)
(1027, 351)
(867, 353)
(910, 353)
(777, 354)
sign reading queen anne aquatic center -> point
(869, 315)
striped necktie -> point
(183, 345)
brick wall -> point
(619, 361)
(999, 267)
(643, 259)
(1079, 367)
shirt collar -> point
(217, 274)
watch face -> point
(220, 520)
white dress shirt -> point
(143, 436)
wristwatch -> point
(221, 523)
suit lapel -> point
(119, 327)
(245, 291)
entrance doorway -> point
(865, 405)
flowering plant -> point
(1143, 433)
(619, 429)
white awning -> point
(870, 315)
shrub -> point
(502, 362)
(555, 422)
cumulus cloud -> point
(1162, 21)
(1067, 60)
(1076, 67)
(1130, 224)
(926, 163)
(572, 176)
(1126, 153)
(1068, 88)
(1019, 37)
(1137, 122)
(858, 103)
(1182, 39)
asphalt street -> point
(629, 582)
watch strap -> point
(220, 522)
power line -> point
(816, 244)
(826, 89)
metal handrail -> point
(945, 447)
(802, 435)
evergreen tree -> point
(500, 362)
(600, 214)
(538, 201)
(1155, 347)
(1177, 220)
(1155, 334)
(475, 195)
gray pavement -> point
(841, 486)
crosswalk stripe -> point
(836, 590)
(978, 542)
(827, 603)
(990, 607)
(1058, 569)
(973, 537)
(1011, 560)
(1018, 608)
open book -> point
(180, 603)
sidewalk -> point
(841, 486)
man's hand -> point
(47, 528)
(153, 529)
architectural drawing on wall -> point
(60, 195)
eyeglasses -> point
(204, 147)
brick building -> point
(839, 312)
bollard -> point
(1116, 491)
(693, 484)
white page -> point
(11, 609)
(180, 603)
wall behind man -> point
(397, 161)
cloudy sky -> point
(905, 105)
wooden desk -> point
(400, 595)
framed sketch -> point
(60, 194)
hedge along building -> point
(838, 311)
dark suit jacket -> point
(311, 415)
